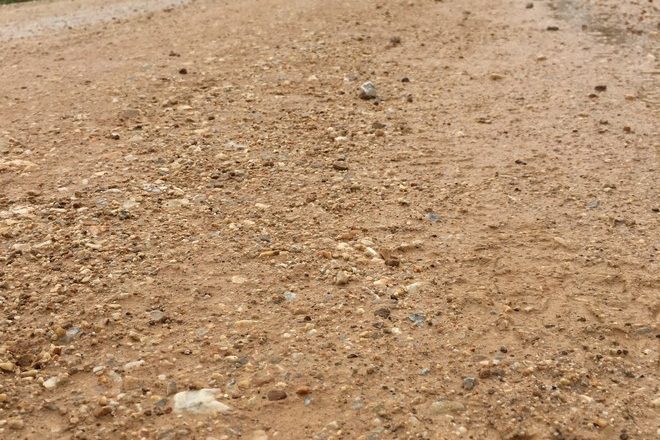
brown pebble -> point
(16, 423)
(340, 166)
(303, 390)
(383, 313)
(392, 262)
(276, 395)
(102, 411)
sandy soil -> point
(197, 198)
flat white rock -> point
(51, 383)
(199, 402)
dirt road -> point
(207, 233)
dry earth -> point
(196, 197)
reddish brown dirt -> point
(198, 198)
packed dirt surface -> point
(212, 228)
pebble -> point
(289, 296)
(414, 288)
(177, 203)
(340, 165)
(417, 319)
(585, 398)
(261, 378)
(469, 383)
(157, 316)
(70, 335)
(392, 261)
(274, 395)
(432, 217)
(243, 324)
(259, 434)
(102, 411)
(133, 365)
(199, 402)
(303, 390)
(600, 88)
(172, 388)
(7, 366)
(342, 278)
(446, 407)
(368, 91)
(16, 423)
(383, 312)
(237, 279)
(51, 383)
